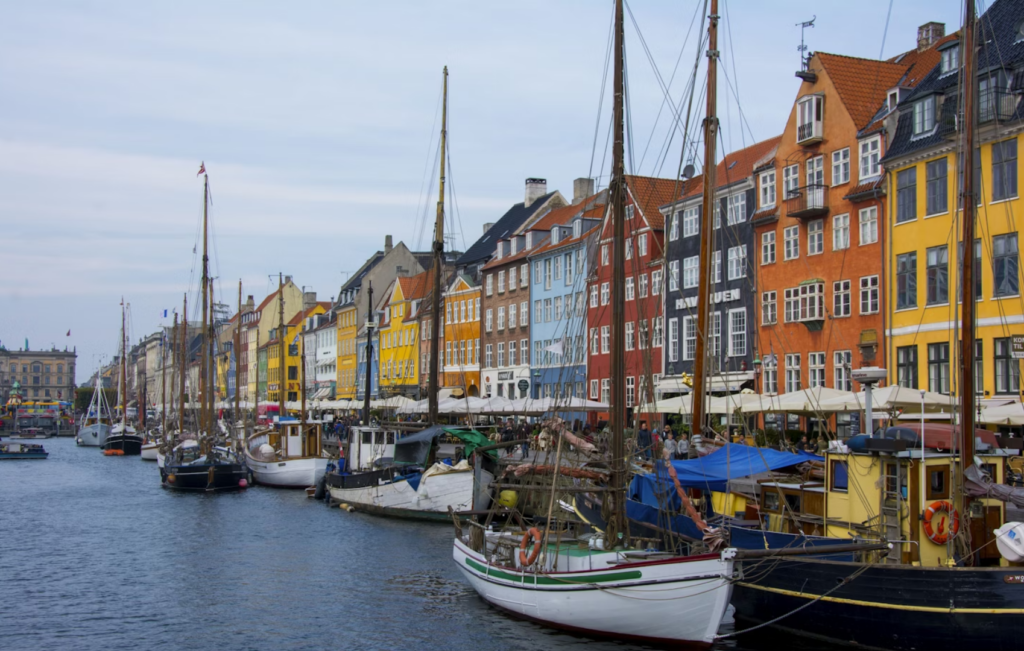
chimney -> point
(535, 189)
(488, 226)
(929, 34)
(387, 244)
(250, 304)
(581, 189)
(308, 300)
(287, 280)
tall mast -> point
(183, 369)
(124, 375)
(707, 226)
(967, 241)
(435, 301)
(617, 522)
(203, 284)
(302, 375)
(281, 350)
(369, 350)
(174, 348)
(237, 347)
(163, 380)
(211, 370)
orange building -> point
(461, 347)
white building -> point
(321, 358)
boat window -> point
(839, 477)
(793, 502)
(378, 438)
(367, 437)
(938, 483)
(391, 438)
(771, 500)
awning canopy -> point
(415, 448)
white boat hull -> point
(431, 499)
(93, 435)
(671, 601)
(150, 451)
(300, 472)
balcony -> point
(809, 133)
(807, 202)
(998, 105)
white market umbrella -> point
(890, 399)
(804, 400)
(1012, 414)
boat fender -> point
(321, 488)
(940, 536)
(171, 479)
(242, 483)
(525, 560)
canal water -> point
(95, 555)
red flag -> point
(202, 169)
(69, 333)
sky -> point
(318, 124)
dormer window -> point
(809, 115)
(529, 240)
(924, 115)
(555, 235)
(498, 251)
(512, 245)
(950, 60)
(577, 228)
(893, 100)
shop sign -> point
(724, 296)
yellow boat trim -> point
(872, 604)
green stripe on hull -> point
(535, 579)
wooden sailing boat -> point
(602, 586)
(198, 462)
(122, 439)
(97, 420)
(290, 456)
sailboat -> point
(95, 425)
(122, 439)
(413, 485)
(599, 583)
(290, 456)
(202, 462)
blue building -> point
(558, 295)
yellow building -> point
(347, 329)
(262, 320)
(398, 336)
(291, 379)
(924, 223)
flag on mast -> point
(202, 169)
(68, 334)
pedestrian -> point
(803, 445)
(682, 446)
(822, 444)
(670, 448)
(696, 445)
(643, 440)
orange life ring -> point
(525, 560)
(942, 535)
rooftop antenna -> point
(803, 48)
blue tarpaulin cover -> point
(711, 473)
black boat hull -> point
(130, 444)
(884, 606)
(205, 477)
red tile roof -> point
(736, 166)
(301, 315)
(565, 242)
(416, 287)
(650, 194)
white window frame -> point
(867, 220)
(691, 221)
(691, 272)
(791, 242)
(841, 232)
(737, 262)
(842, 289)
(769, 308)
(768, 247)
(870, 158)
(841, 166)
(815, 237)
(738, 332)
(869, 294)
(766, 182)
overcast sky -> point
(318, 125)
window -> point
(812, 301)
(489, 283)
(768, 308)
(604, 255)
(1007, 368)
(906, 280)
(791, 240)
(736, 208)
(690, 272)
(840, 232)
(658, 330)
(792, 372)
(950, 60)
(536, 271)
(870, 158)
(791, 305)
(630, 391)
(501, 282)
(842, 370)
(605, 293)
(630, 211)
(937, 275)
(808, 118)
(716, 267)
(815, 237)
(656, 282)
(605, 338)
(689, 337)
(1005, 265)
(673, 340)
(593, 298)
(644, 334)
(462, 311)
(559, 302)
(501, 354)
(841, 298)
(770, 375)
(629, 248)
(1004, 169)
(906, 195)
(511, 353)
(557, 263)
(691, 221)
(593, 342)
(512, 278)
(673, 276)
(816, 177)
(568, 268)
(630, 335)
(673, 226)
(524, 274)
(512, 316)
(738, 332)
(715, 334)
(593, 390)
(790, 181)
(841, 166)
(524, 313)
(488, 356)
(767, 182)
(924, 115)
(642, 285)
(547, 310)
(936, 192)
(489, 320)
(938, 367)
(737, 262)
(606, 390)
(816, 370)
(906, 366)
(768, 247)
(868, 225)
(869, 294)
(629, 289)
(641, 244)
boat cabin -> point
(369, 445)
(292, 442)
